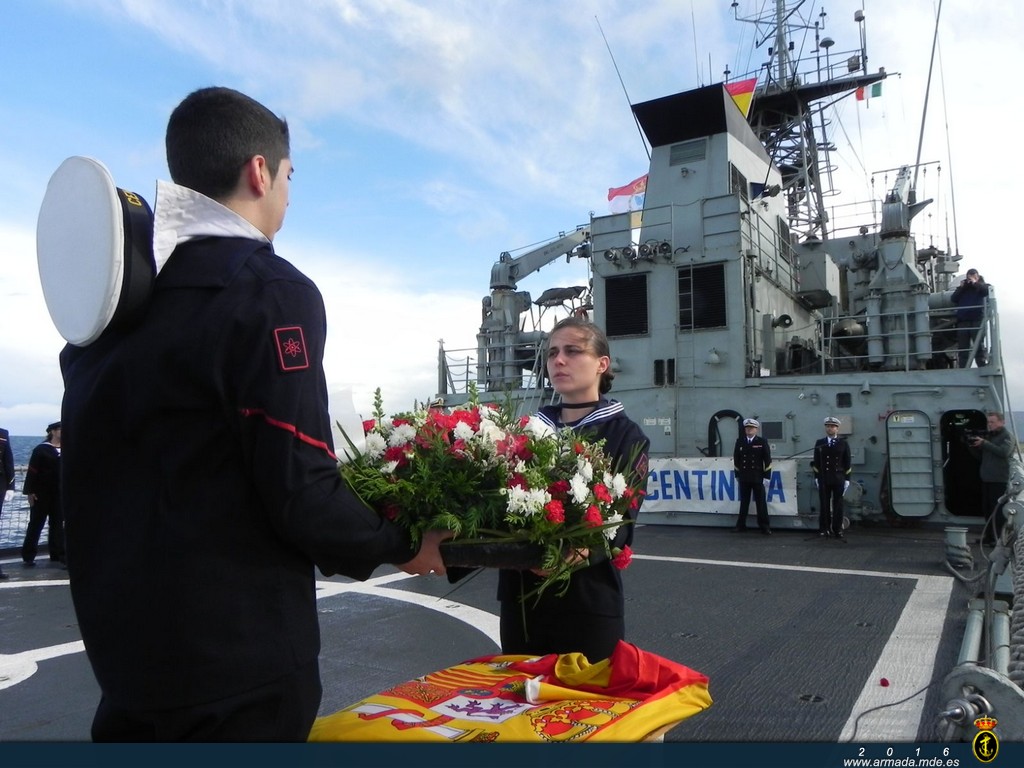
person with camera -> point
(969, 298)
(994, 450)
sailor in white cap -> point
(752, 460)
(831, 466)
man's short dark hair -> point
(214, 132)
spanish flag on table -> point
(554, 698)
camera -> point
(968, 435)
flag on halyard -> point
(872, 91)
(742, 92)
(629, 197)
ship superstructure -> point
(741, 290)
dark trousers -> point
(966, 330)
(44, 508)
(755, 489)
(830, 509)
(283, 710)
(558, 630)
(990, 494)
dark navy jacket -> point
(200, 483)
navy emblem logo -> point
(291, 348)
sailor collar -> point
(182, 214)
(606, 410)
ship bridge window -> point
(626, 305)
(738, 183)
(702, 297)
(771, 430)
(688, 152)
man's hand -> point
(9, 496)
(846, 485)
(428, 559)
(815, 483)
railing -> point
(14, 517)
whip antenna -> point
(638, 128)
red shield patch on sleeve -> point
(291, 348)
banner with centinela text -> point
(709, 485)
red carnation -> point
(368, 426)
(559, 489)
(593, 516)
(623, 557)
(556, 512)
(602, 494)
(518, 481)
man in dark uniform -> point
(42, 487)
(752, 460)
(200, 482)
(969, 298)
(831, 465)
(6, 475)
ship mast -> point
(791, 98)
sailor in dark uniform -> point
(831, 465)
(752, 460)
(42, 487)
(200, 482)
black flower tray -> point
(477, 553)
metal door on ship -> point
(911, 469)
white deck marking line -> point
(907, 661)
(485, 622)
(17, 667)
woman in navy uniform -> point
(752, 460)
(831, 465)
(42, 487)
(590, 617)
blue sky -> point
(428, 137)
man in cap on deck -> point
(752, 460)
(831, 465)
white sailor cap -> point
(832, 420)
(751, 423)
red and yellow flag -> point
(742, 92)
(554, 698)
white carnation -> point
(538, 428)
(585, 468)
(580, 488)
(388, 467)
(463, 431)
(613, 518)
(375, 445)
(615, 483)
(490, 432)
(402, 434)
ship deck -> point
(803, 639)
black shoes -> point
(28, 564)
(766, 531)
(3, 576)
(824, 534)
(737, 530)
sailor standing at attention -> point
(831, 465)
(752, 460)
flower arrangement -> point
(492, 477)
